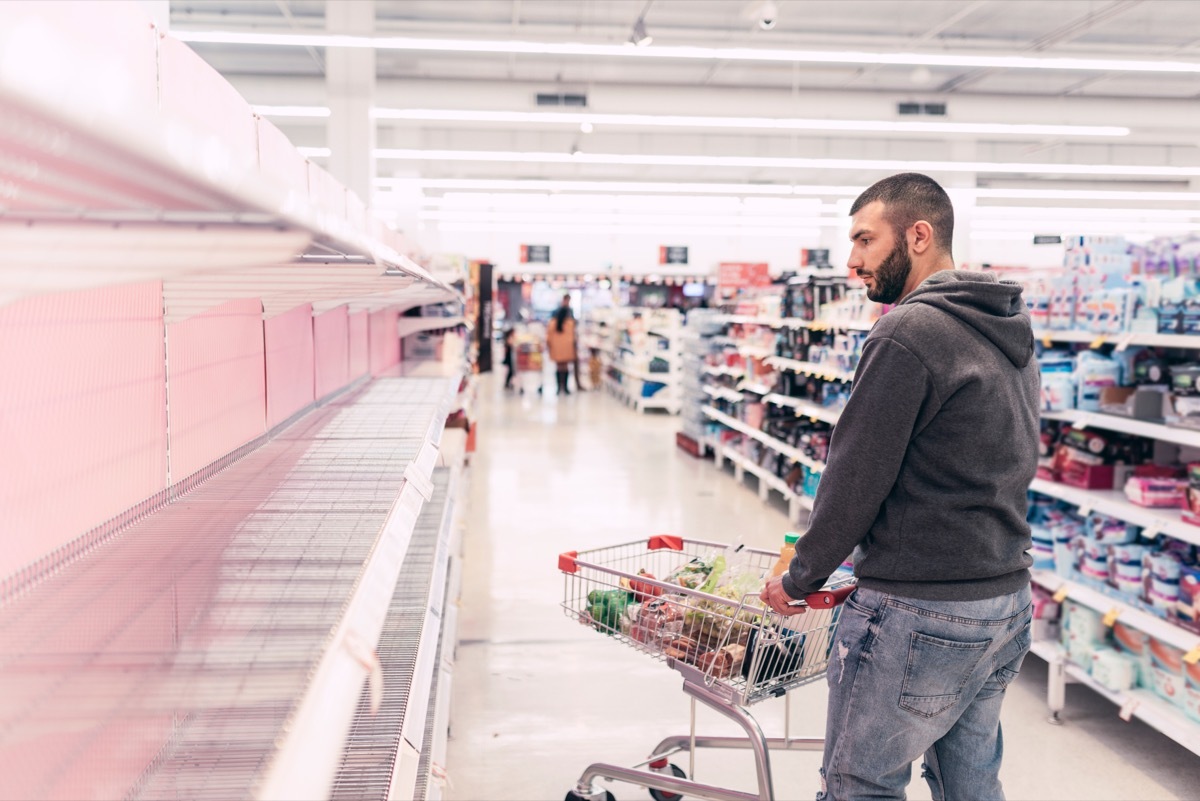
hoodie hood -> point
(993, 308)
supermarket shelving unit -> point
(1139, 703)
(626, 365)
(708, 392)
(697, 340)
(280, 572)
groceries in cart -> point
(705, 613)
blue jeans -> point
(909, 678)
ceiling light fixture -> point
(776, 162)
(772, 190)
(854, 57)
(752, 123)
(534, 185)
(586, 127)
(639, 37)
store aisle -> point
(537, 698)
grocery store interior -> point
(407, 399)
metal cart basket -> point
(529, 363)
(730, 650)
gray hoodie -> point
(930, 461)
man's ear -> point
(920, 237)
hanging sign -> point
(535, 254)
(742, 275)
(814, 257)
(672, 254)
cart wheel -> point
(574, 796)
(663, 795)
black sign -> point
(672, 254)
(1047, 239)
(814, 257)
(535, 254)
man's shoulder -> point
(903, 323)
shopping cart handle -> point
(827, 599)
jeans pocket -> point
(937, 671)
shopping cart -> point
(730, 650)
(529, 363)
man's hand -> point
(774, 596)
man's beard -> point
(891, 275)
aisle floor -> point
(537, 698)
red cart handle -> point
(827, 599)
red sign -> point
(742, 275)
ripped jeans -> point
(909, 678)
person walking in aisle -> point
(560, 341)
(510, 356)
(926, 483)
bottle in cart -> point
(786, 553)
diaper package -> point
(1166, 671)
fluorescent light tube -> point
(658, 160)
(969, 60)
(610, 186)
(315, 152)
(667, 187)
(753, 123)
(625, 229)
(1086, 194)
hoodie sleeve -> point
(891, 389)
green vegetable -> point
(607, 608)
(714, 575)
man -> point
(927, 474)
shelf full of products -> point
(1115, 510)
(643, 365)
(769, 386)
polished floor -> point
(536, 697)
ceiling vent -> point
(927, 109)
(561, 99)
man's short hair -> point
(909, 197)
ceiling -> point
(1161, 150)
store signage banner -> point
(535, 254)
(672, 254)
(742, 275)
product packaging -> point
(1113, 670)
(1166, 671)
(1135, 644)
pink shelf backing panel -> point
(384, 340)
(280, 163)
(360, 354)
(209, 114)
(290, 365)
(216, 385)
(82, 414)
(331, 349)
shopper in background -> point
(510, 356)
(560, 341)
(926, 477)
